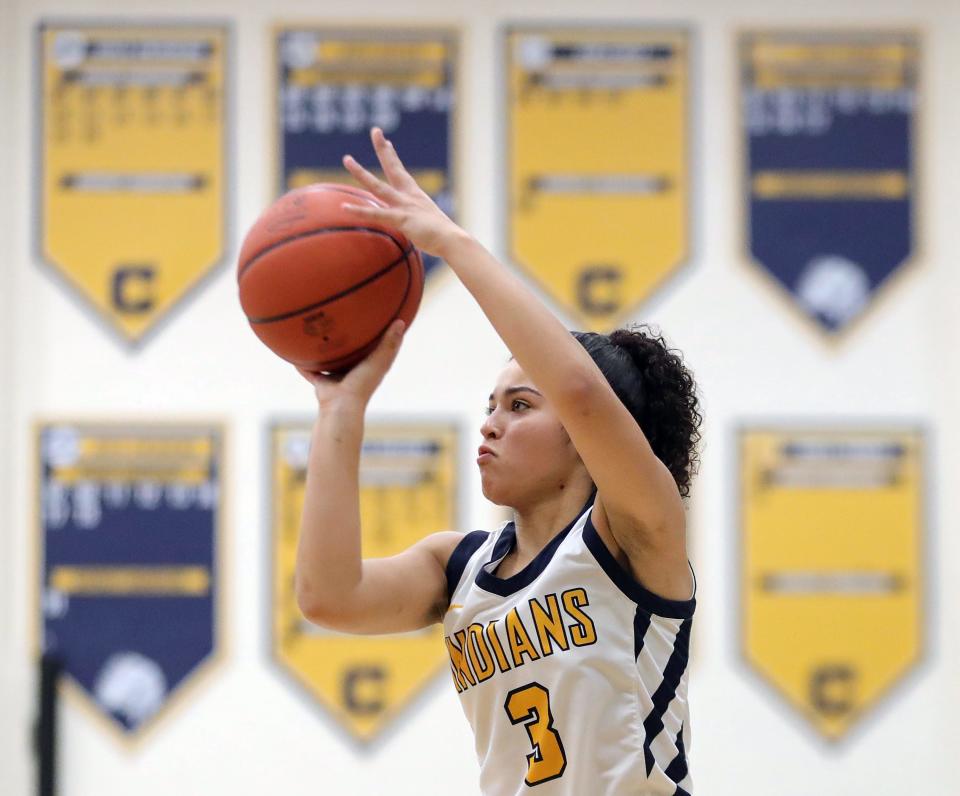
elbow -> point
(332, 612)
(314, 607)
(310, 608)
(581, 388)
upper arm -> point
(400, 593)
(638, 510)
(638, 490)
(658, 561)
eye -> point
(488, 410)
(518, 403)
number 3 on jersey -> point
(530, 705)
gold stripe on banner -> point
(117, 456)
(597, 164)
(187, 581)
(133, 163)
(408, 490)
(819, 63)
(832, 577)
(841, 184)
(381, 63)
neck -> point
(540, 520)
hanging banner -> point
(830, 187)
(133, 184)
(334, 84)
(596, 143)
(832, 526)
(408, 490)
(129, 534)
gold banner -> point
(831, 578)
(133, 164)
(408, 490)
(597, 164)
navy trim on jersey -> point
(507, 541)
(677, 769)
(641, 623)
(667, 690)
(673, 609)
(461, 554)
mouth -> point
(484, 454)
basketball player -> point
(568, 628)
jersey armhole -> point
(623, 580)
(461, 554)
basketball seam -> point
(310, 233)
(396, 312)
(372, 278)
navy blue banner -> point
(830, 170)
(129, 519)
(334, 85)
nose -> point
(490, 428)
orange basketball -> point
(319, 287)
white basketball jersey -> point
(572, 675)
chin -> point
(498, 497)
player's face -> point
(531, 456)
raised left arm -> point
(638, 495)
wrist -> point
(453, 241)
(340, 412)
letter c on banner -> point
(353, 681)
(592, 278)
(131, 288)
(832, 689)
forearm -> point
(329, 566)
(541, 344)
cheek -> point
(547, 441)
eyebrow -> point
(518, 388)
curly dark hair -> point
(653, 383)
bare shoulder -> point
(437, 548)
(441, 545)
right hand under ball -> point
(354, 388)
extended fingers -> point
(396, 173)
(385, 215)
(370, 181)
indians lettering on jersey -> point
(543, 626)
(578, 652)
